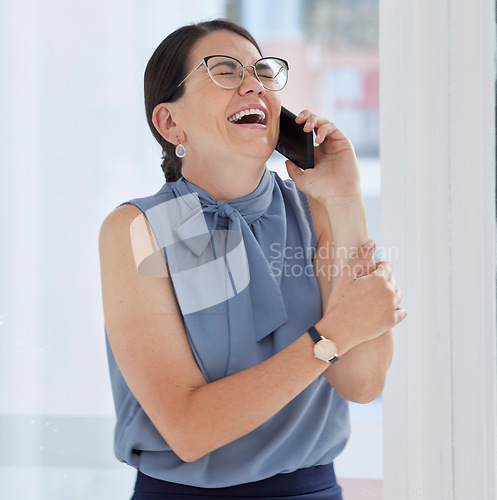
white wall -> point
(438, 193)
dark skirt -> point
(315, 483)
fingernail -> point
(368, 245)
(301, 115)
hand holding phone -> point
(293, 142)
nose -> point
(250, 81)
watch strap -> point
(314, 334)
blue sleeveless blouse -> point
(243, 277)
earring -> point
(180, 150)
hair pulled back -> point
(165, 70)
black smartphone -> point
(293, 142)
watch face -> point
(325, 349)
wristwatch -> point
(324, 349)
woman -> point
(234, 343)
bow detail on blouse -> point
(219, 233)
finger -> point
(329, 129)
(323, 127)
(368, 268)
(399, 315)
(311, 120)
(304, 115)
(358, 265)
(312, 123)
(383, 268)
(294, 172)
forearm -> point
(360, 374)
(348, 226)
(222, 411)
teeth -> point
(238, 116)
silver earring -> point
(180, 150)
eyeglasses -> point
(228, 72)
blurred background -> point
(74, 143)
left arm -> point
(339, 216)
(360, 374)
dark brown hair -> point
(167, 67)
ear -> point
(163, 121)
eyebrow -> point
(262, 65)
(225, 63)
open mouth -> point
(246, 116)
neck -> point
(224, 183)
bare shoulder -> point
(115, 243)
(117, 224)
(126, 235)
(134, 274)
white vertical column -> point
(438, 168)
(472, 181)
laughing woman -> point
(235, 337)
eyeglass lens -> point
(228, 72)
